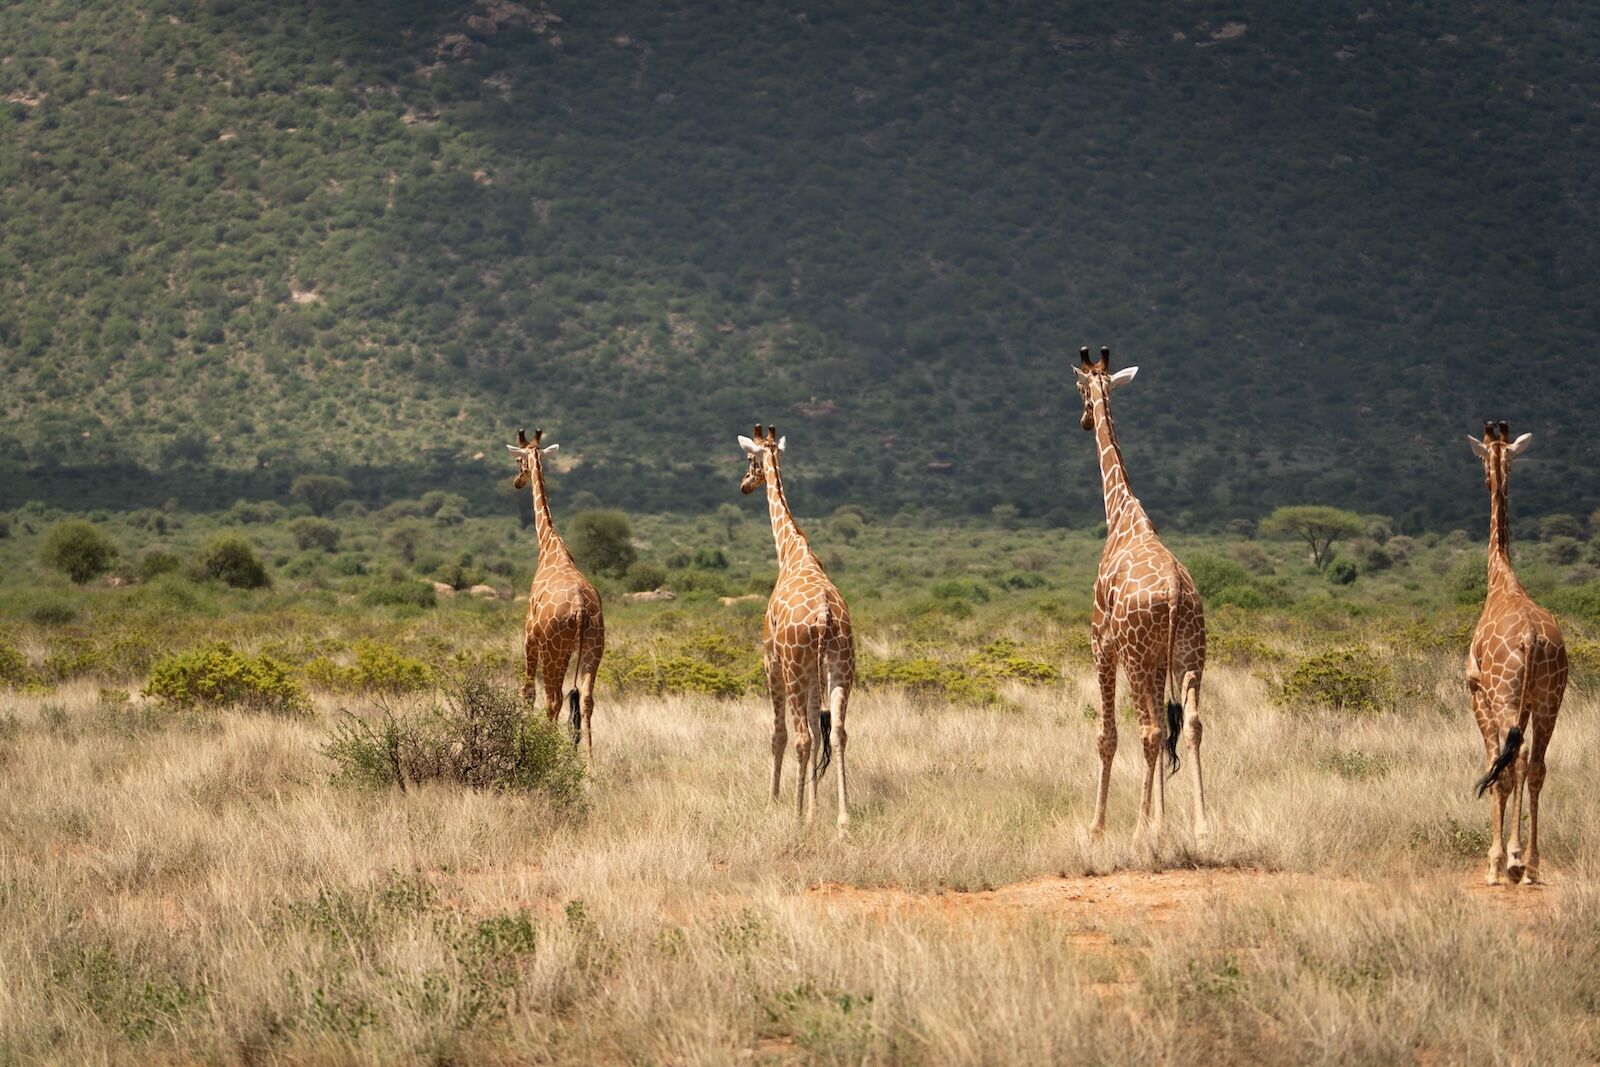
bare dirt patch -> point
(1125, 896)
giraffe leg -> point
(1497, 840)
(1530, 863)
(1518, 772)
(838, 701)
(780, 732)
(1105, 666)
(530, 679)
(813, 706)
(1152, 732)
(795, 698)
(553, 674)
(1192, 731)
(586, 702)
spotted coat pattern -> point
(564, 615)
(808, 649)
(1516, 675)
(1147, 617)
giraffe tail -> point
(574, 708)
(1508, 752)
(1174, 708)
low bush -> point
(54, 613)
(1212, 574)
(377, 669)
(310, 532)
(477, 734)
(232, 560)
(79, 550)
(1343, 571)
(1346, 679)
(644, 576)
(399, 592)
(216, 675)
(14, 669)
(153, 564)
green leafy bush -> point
(1346, 679)
(478, 734)
(321, 492)
(1212, 574)
(154, 564)
(1343, 571)
(1469, 581)
(392, 591)
(377, 669)
(216, 675)
(309, 532)
(14, 669)
(232, 560)
(79, 550)
(54, 613)
(602, 542)
(644, 576)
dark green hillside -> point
(243, 239)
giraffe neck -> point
(1124, 514)
(792, 545)
(551, 547)
(1500, 571)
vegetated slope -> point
(244, 239)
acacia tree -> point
(321, 492)
(1317, 525)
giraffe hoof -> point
(1515, 873)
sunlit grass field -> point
(196, 884)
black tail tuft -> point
(1508, 752)
(1174, 728)
(576, 715)
(827, 745)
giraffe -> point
(1147, 617)
(1516, 675)
(808, 651)
(564, 617)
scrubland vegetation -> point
(307, 820)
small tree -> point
(602, 541)
(1318, 526)
(321, 492)
(79, 550)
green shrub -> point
(399, 592)
(5, 527)
(1343, 571)
(1249, 597)
(310, 533)
(377, 669)
(602, 542)
(1563, 551)
(321, 492)
(79, 550)
(14, 669)
(1579, 601)
(154, 564)
(1002, 659)
(924, 675)
(232, 560)
(54, 613)
(644, 576)
(478, 734)
(710, 559)
(216, 675)
(1469, 581)
(1346, 679)
(1212, 574)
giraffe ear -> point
(518, 450)
(1520, 445)
(1122, 377)
(550, 449)
(781, 442)
(748, 445)
(1479, 449)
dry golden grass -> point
(179, 889)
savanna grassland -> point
(199, 860)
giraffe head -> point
(1095, 381)
(528, 455)
(763, 453)
(1497, 450)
